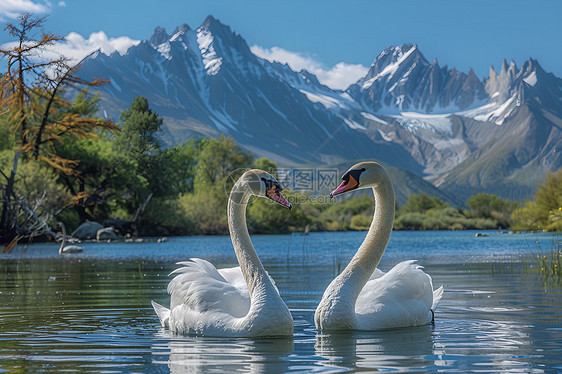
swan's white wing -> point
(401, 297)
(162, 312)
(200, 287)
(377, 274)
(207, 301)
(437, 294)
(234, 276)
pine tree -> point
(32, 101)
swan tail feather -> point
(437, 294)
(197, 265)
(162, 312)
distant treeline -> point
(129, 175)
(60, 163)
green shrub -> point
(206, 209)
(545, 211)
(360, 222)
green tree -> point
(206, 210)
(139, 148)
(101, 179)
(7, 138)
(154, 171)
(339, 215)
(31, 102)
(422, 203)
(220, 162)
(545, 211)
(489, 206)
(139, 128)
(266, 164)
(268, 217)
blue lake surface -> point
(90, 312)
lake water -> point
(91, 312)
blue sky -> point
(324, 33)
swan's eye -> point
(353, 175)
(272, 186)
(268, 182)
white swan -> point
(67, 248)
(363, 297)
(234, 302)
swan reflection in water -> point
(220, 355)
(368, 350)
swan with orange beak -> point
(362, 297)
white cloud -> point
(62, 3)
(339, 76)
(295, 60)
(75, 47)
(342, 75)
(12, 9)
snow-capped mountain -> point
(206, 81)
(499, 135)
(502, 141)
(402, 80)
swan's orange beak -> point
(345, 186)
(276, 196)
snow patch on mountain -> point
(531, 79)
(390, 69)
(493, 112)
(211, 61)
(385, 136)
(224, 119)
(114, 83)
(164, 50)
(414, 122)
(354, 125)
(330, 101)
(164, 77)
(327, 101)
(371, 117)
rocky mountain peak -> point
(504, 67)
(394, 57)
(406, 111)
(215, 26)
(223, 40)
(160, 36)
(402, 79)
(182, 29)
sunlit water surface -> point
(91, 311)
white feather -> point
(211, 302)
(403, 297)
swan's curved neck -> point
(252, 269)
(369, 254)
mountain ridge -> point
(433, 121)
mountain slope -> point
(500, 135)
(401, 79)
(515, 155)
(206, 81)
